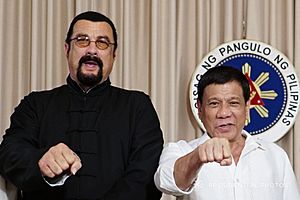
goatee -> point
(89, 80)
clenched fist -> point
(215, 150)
(58, 159)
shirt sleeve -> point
(164, 176)
(3, 194)
(58, 180)
(290, 190)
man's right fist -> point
(215, 150)
(58, 159)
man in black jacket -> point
(86, 139)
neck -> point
(237, 147)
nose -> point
(92, 49)
(224, 111)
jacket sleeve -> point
(19, 150)
(147, 144)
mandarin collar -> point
(94, 91)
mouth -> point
(91, 62)
(225, 127)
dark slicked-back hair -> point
(94, 17)
(222, 75)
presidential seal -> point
(273, 82)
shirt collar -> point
(251, 142)
(251, 139)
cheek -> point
(76, 53)
(241, 118)
(108, 61)
(73, 60)
(209, 113)
(106, 70)
(207, 117)
(73, 64)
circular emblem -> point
(274, 95)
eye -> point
(102, 44)
(213, 104)
(82, 40)
(234, 103)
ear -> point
(66, 49)
(247, 108)
(199, 108)
(114, 53)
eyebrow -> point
(98, 38)
(103, 37)
(226, 99)
(80, 34)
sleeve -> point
(3, 194)
(146, 147)
(290, 186)
(164, 178)
(19, 150)
(7, 190)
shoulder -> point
(266, 146)
(271, 147)
(128, 93)
(47, 93)
(130, 97)
(184, 146)
(35, 102)
(42, 97)
(271, 151)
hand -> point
(58, 159)
(215, 150)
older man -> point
(226, 162)
(86, 139)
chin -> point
(225, 134)
(90, 73)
